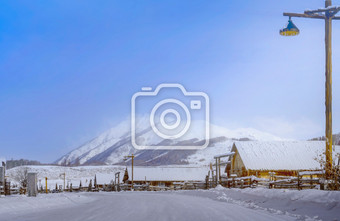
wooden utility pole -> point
(132, 156)
(328, 45)
(217, 171)
(46, 185)
(328, 14)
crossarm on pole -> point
(328, 9)
(334, 12)
(303, 15)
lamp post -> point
(125, 158)
(328, 14)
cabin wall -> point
(237, 165)
(265, 173)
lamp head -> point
(290, 29)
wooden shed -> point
(285, 158)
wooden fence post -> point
(299, 180)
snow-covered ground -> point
(106, 174)
(303, 205)
(72, 174)
(216, 204)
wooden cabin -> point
(285, 158)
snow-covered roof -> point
(224, 155)
(169, 173)
(105, 174)
(166, 173)
(280, 155)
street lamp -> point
(328, 14)
(290, 30)
(125, 159)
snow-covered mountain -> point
(110, 147)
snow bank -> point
(303, 205)
(308, 195)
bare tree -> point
(334, 175)
(21, 176)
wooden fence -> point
(304, 180)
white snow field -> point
(216, 204)
(106, 174)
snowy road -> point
(127, 206)
(214, 204)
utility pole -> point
(328, 73)
(217, 175)
(328, 14)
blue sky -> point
(69, 68)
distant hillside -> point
(336, 138)
(22, 162)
